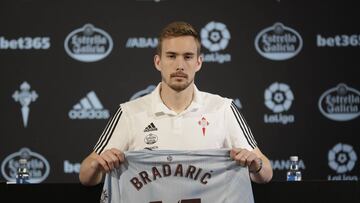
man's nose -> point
(180, 65)
(179, 68)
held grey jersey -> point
(171, 176)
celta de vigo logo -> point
(215, 37)
(341, 103)
(88, 44)
(25, 97)
(38, 166)
(143, 92)
(278, 42)
(342, 159)
(151, 139)
(278, 98)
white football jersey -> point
(210, 122)
(174, 176)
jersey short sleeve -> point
(116, 132)
(239, 134)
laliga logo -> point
(38, 166)
(342, 158)
(341, 103)
(215, 36)
(143, 92)
(278, 42)
(278, 97)
(88, 44)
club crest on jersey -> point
(203, 123)
(151, 139)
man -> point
(176, 115)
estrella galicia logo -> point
(88, 44)
(143, 92)
(39, 167)
(278, 98)
(278, 42)
(341, 103)
(215, 37)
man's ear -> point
(157, 60)
(199, 63)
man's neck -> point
(174, 100)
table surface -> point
(290, 192)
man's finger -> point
(120, 157)
(103, 164)
(233, 153)
(109, 160)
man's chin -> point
(179, 87)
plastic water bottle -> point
(294, 173)
(22, 176)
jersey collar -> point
(159, 108)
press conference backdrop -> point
(292, 68)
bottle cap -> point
(294, 158)
(22, 161)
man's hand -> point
(247, 158)
(108, 160)
(94, 166)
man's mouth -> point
(179, 75)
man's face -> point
(178, 62)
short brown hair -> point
(178, 29)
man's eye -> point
(171, 56)
(189, 57)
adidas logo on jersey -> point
(150, 127)
(89, 107)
